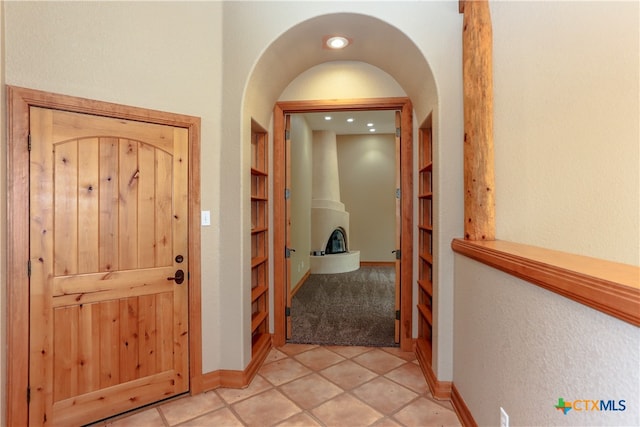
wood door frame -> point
(19, 100)
(281, 109)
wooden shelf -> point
(425, 313)
(260, 229)
(427, 257)
(426, 168)
(260, 336)
(425, 242)
(258, 172)
(257, 318)
(258, 291)
(426, 286)
(258, 341)
(256, 261)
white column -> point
(325, 183)
(327, 211)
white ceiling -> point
(383, 121)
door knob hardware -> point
(179, 277)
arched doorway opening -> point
(285, 59)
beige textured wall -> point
(521, 347)
(566, 123)
(301, 161)
(366, 166)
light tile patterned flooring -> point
(309, 385)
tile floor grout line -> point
(346, 355)
(351, 391)
(162, 416)
(236, 414)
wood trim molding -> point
(461, 408)
(279, 270)
(281, 109)
(377, 263)
(19, 100)
(440, 390)
(235, 379)
(606, 286)
(298, 285)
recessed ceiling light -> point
(327, 117)
(372, 130)
(350, 120)
(336, 42)
(369, 124)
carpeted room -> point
(353, 307)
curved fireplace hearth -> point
(335, 263)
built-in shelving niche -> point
(425, 243)
(260, 336)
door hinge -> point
(397, 252)
(287, 311)
(287, 252)
(29, 142)
(398, 132)
(398, 193)
(397, 314)
(287, 193)
(28, 395)
(29, 268)
(287, 134)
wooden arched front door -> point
(104, 206)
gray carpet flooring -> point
(355, 308)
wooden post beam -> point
(479, 185)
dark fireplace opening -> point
(337, 243)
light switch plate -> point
(205, 217)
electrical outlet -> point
(504, 418)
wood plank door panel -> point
(108, 231)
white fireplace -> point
(329, 220)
